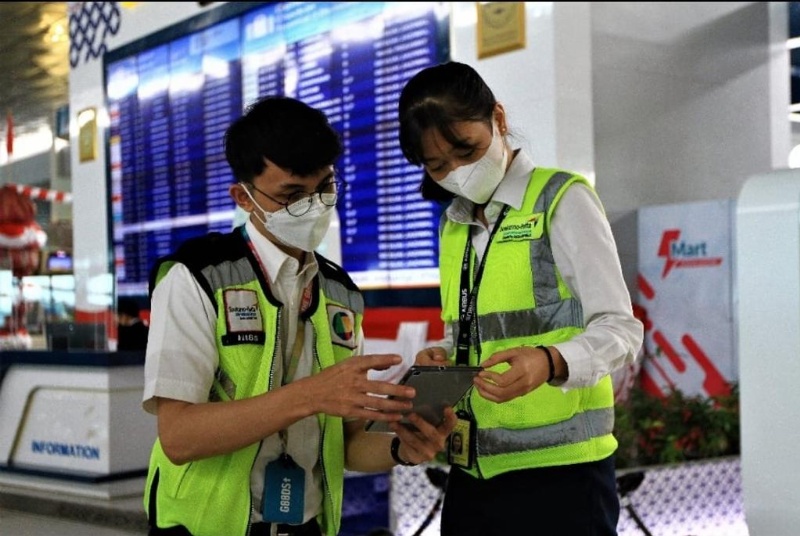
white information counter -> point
(73, 421)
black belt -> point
(311, 528)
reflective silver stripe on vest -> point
(337, 292)
(222, 381)
(543, 265)
(229, 273)
(240, 272)
(513, 324)
(582, 427)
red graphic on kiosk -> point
(681, 254)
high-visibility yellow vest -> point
(522, 300)
(211, 497)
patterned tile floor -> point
(699, 499)
(692, 499)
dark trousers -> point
(573, 500)
(257, 529)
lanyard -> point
(467, 328)
(297, 347)
(297, 351)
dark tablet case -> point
(437, 388)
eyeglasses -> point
(300, 202)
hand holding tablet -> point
(437, 388)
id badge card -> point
(461, 447)
(284, 491)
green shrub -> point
(655, 430)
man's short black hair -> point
(284, 130)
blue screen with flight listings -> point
(172, 94)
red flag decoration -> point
(9, 133)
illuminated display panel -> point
(171, 96)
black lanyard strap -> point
(467, 327)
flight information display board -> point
(172, 95)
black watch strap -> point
(394, 450)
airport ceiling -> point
(34, 62)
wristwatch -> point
(394, 450)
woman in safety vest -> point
(532, 290)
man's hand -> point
(422, 445)
(344, 390)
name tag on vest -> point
(243, 321)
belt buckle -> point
(275, 531)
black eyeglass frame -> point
(299, 203)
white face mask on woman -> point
(302, 232)
(478, 181)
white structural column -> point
(768, 285)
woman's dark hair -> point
(128, 306)
(438, 97)
(284, 130)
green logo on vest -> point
(519, 228)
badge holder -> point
(284, 492)
(461, 447)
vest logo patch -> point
(242, 317)
(343, 323)
(518, 228)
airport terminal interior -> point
(684, 116)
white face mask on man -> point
(478, 181)
(303, 232)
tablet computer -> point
(437, 388)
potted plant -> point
(655, 430)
